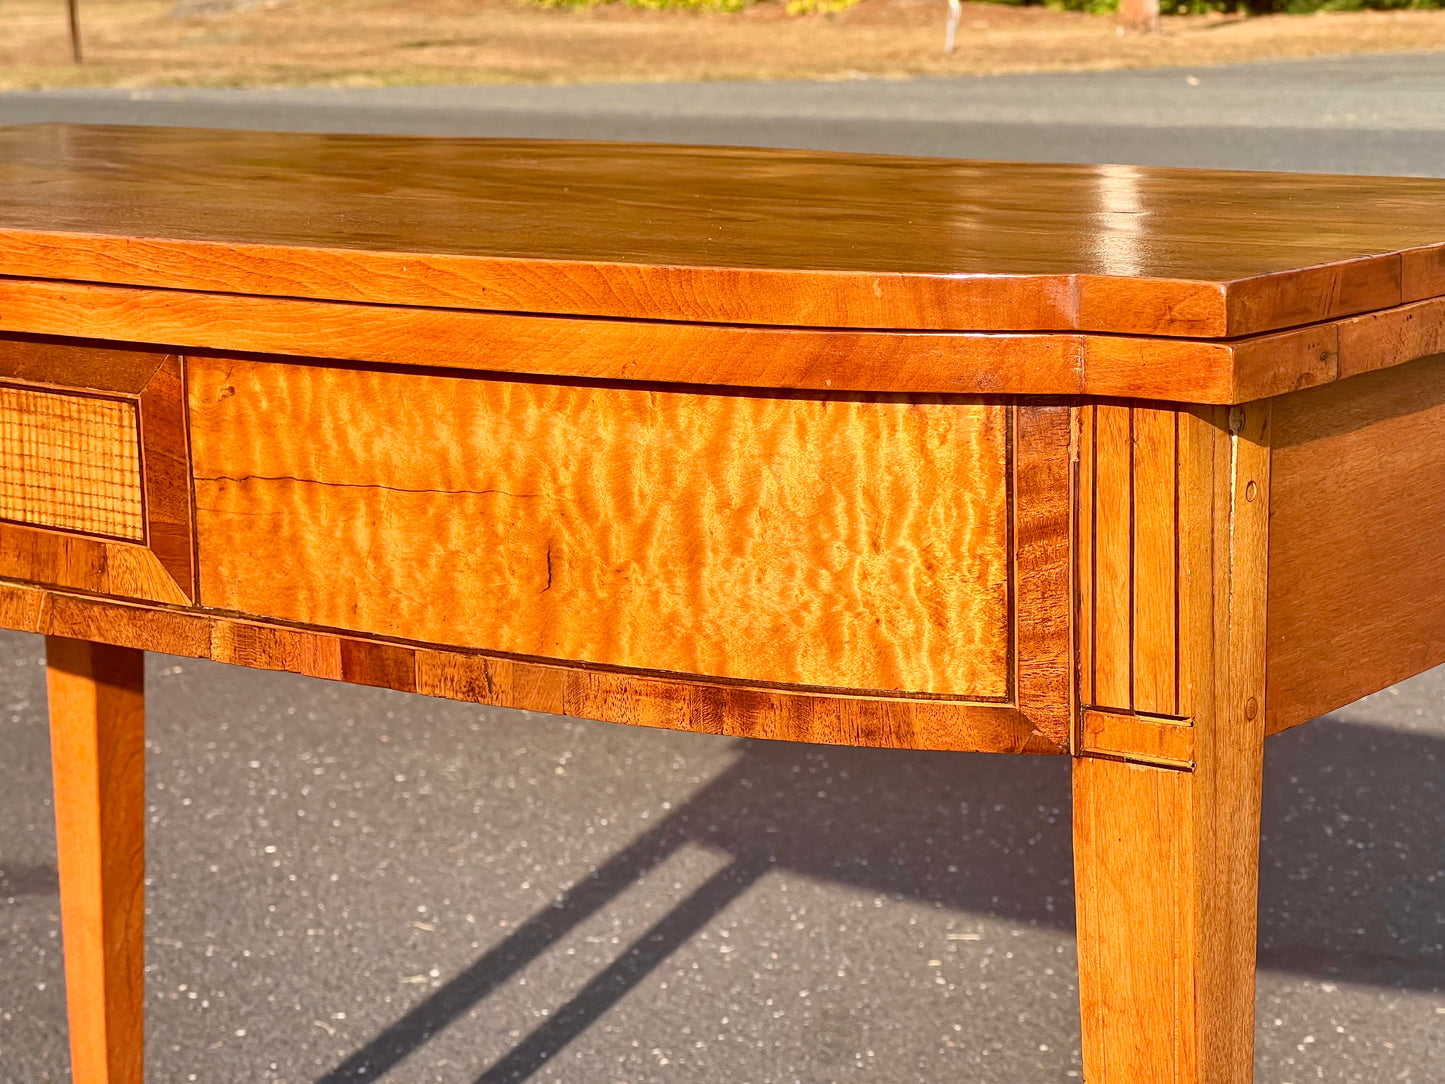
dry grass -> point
(136, 43)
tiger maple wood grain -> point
(484, 524)
(1357, 555)
(814, 540)
(96, 488)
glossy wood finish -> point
(835, 359)
(70, 462)
(448, 512)
(1139, 739)
(711, 707)
(822, 540)
(1043, 574)
(1166, 857)
(1357, 551)
(1144, 563)
(713, 234)
(154, 560)
(97, 733)
(829, 448)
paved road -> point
(1357, 115)
(349, 885)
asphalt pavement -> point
(349, 885)
(1379, 115)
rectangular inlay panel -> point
(70, 461)
(1144, 524)
(823, 540)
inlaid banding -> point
(71, 462)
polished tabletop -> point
(712, 234)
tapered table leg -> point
(1167, 883)
(97, 734)
(1167, 810)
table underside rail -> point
(842, 567)
(916, 571)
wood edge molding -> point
(1281, 362)
(574, 287)
(610, 696)
(1423, 272)
(1160, 741)
(587, 348)
(73, 562)
(1282, 299)
(1090, 303)
(942, 301)
(1174, 308)
(166, 468)
(68, 365)
(1043, 503)
(811, 358)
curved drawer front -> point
(835, 541)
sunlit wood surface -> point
(714, 234)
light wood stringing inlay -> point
(70, 461)
(843, 541)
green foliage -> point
(1093, 7)
(818, 7)
(653, 5)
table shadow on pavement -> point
(1338, 797)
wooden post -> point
(73, 9)
(97, 737)
(1166, 849)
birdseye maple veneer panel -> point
(839, 541)
(714, 234)
(70, 461)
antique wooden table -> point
(1131, 465)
